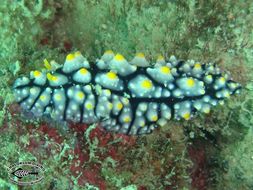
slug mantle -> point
(130, 97)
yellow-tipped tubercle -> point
(58, 97)
(77, 53)
(112, 75)
(119, 57)
(80, 95)
(187, 116)
(70, 57)
(89, 106)
(190, 82)
(154, 118)
(119, 106)
(140, 55)
(127, 119)
(146, 84)
(222, 80)
(197, 66)
(42, 97)
(165, 69)
(160, 58)
(109, 52)
(83, 71)
(51, 77)
(36, 73)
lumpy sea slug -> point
(125, 97)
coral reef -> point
(211, 152)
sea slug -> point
(125, 97)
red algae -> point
(199, 174)
(52, 133)
(90, 155)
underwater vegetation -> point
(212, 151)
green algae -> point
(240, 161)
(6, 185)
(130, 187)
(92, 145)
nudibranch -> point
(130, 97)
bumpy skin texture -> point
(125, 97)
